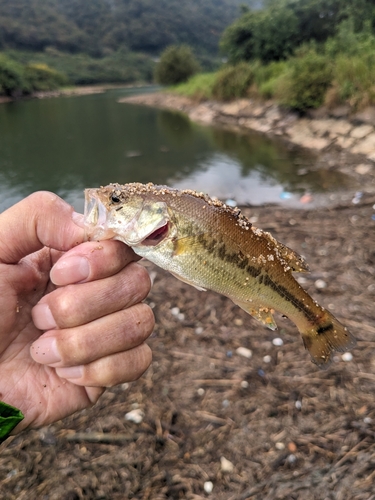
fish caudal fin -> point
(325, 338)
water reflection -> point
(67, 144)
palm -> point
(41, 387)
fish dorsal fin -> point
(291, 258)
(262, 314)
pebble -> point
(320, 284)
(199, 330)
(267, 358)
(244, 384)
(208, 486)
(245, 352)
(226, 465)
(292, 458)
(367, 420)
(277, 342)
(231, 203)
(357, 197)
(200, 391)
(135, 416)
(298, 404)
(363, 168)
(347, 356)
(238, 322)
(280, 446)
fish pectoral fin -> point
(187, 244)
(262, 314)
(185, 280)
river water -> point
(67, 144)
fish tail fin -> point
(325, 337)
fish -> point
(209, 245)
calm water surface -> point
(67, 144)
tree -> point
(177, 64)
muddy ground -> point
(286, 429)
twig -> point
(100, 437)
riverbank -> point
(340, 141)
(222, 385)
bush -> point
(198, 87)
(42, 77)
(233, 82)
(305, 82)
(354, 82)
(177, 64)
(12, 81)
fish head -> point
(127, 214)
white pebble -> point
(135, 416)
(292, 458)
(347, 356)
(320, 284)
(267, 358)
(277, 341)
(208, 486)
(367, 420)
(298, 404)
(226, 465)
(200, 391)
(181, 316)
(245, 352)
(280, 446)
(175, 311)
(244, 384)
(199, 330)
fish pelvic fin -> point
(328, 336)
(262, 314)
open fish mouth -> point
(156, 236)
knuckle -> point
(139, 279)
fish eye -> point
(115, 199)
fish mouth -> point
(156, 236)
(95, 218)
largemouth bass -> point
(208, 245)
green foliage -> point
(98, 26)
(177, 64)
(277, 31)
(233, 82)
(42, 77)
(267, 35)
(82, 69)
(198, 87)
(12, 81)
(306, 81)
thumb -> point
(41, 219)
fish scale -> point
(209, 245)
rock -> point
(340, 111)
(226, 465)
(366, 116)
(345, 142)
(361, 131)
(244, 351)
(365, 147)
(341, 127)
(363, 168)
(202, 114)
(208, 487)
(322, 127)
(135, 416)
(273, 114)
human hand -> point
(85, 297)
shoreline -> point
(346, 144)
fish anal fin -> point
(263, 314)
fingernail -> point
(70, 372)
(42, 317)
(70, 270)
(44, 350)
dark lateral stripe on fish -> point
(243, 263)
(283, 292)
(238, 258)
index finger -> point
(42, 219)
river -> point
(68, 143)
